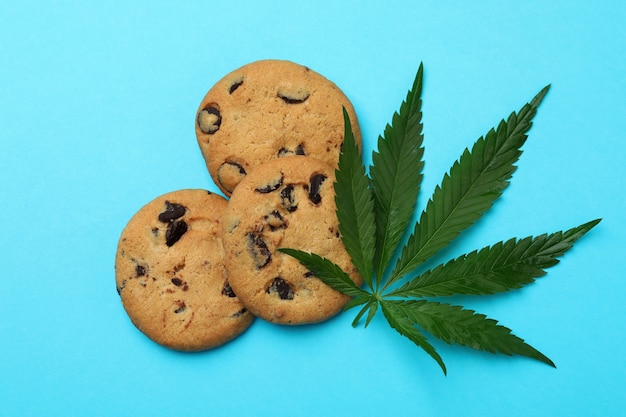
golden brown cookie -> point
(285, 203)
(170, 273)
(270, 109)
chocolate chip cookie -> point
(285, 203)
(266, 110)
(170, 274)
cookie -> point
(285, 203)
(266, 110)
(169, 272)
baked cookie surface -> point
(170, 273)
(286, 203)
(269, 109)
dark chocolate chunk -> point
(172, 212)
(235, 85)
(272, 186)
(235, 166)
(282, 288)
(228, 291)
(140, 270)
(275, 220)
(314, 190)
(286, 152)
(309, 274)
(229, 175)
(181, 307)
(294, 97)
(258, 250)
(209, 120)
(175, 231)
(288, 199)
(239, 313)
(177, 281)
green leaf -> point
(355, 206)
(371, 307)
(397, 174)
(374, 215)
(398, 319)
(330, 273)
(357, 301)
(501, 267)
(475, 181)
(453, 324)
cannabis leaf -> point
(375, 211)
(474, 182)
(356, 218)
(397, 174)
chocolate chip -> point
(229, 175)
(282, 288)
(228, 291)
(309, 274)
(288, 199)
(272, 186)
(293, 96)
(181, 307)
(140, 270)
(314, 190)
(258, 250)
(209, 120)
(286, 152)
(235, 85)
(172, 212)
(175, 231)
(275, 221)
(177, 281)
(239, 313)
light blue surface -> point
(97, 104)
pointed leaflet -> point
(371, 307)
(355, 206)
(330, 273)
(397, 174)
(398, 320)
(474, 182)
(453, 324)
(501, 267)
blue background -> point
(97, 105)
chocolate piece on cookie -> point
(169, 271)
(286, 203)
(270, 109)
